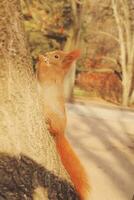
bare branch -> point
(132, 51)
(110, 59)
(121, 36)
(104, 70)
(107, 34)
(127, 25)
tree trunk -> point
(126, 41)
(125, 95)
(132, 98)
(70, 77)
(73, 42)
(127, 85)
(69, 82)
(29, 165)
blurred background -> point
(102, 30)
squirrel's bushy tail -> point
(73, 166)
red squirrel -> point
(50, 72)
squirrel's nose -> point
(42, 58)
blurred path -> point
(104, 140)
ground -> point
(103, 137)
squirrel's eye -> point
(56, 56)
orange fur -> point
(73, 166)
(50, 74)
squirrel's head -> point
(59, 58)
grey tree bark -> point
(29, 164)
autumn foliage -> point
(106, 85)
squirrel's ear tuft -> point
(75, 54)
(71, 56)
